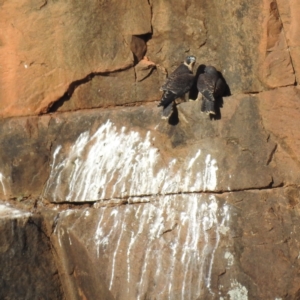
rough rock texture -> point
(288, 12)
(49, 49)
(25, 257)
(191, 246)
(109, 201)
(47, 45)
(182, 158)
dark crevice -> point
(128, 199)
(129, 104)
(252, 92)
(148, 75)
(44, 4)
(151, 15)
(68, 94)
(272, 154)
(38, 226)
(138, 46)
(53, 107)
(170, 229)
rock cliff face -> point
(101, 198)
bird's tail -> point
(167, 111)
(167, 98)
(208, 106)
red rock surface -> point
(104, 199)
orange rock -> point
(280, 110)
(289, 13)
(48, 45)
(276, 69)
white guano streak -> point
(7, 211)
(196, 223)
(238, 291)
(115, 163)
(2, 183)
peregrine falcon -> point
(210, 86)
(177, 84)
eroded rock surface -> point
(49, 50)
(25, 257)
(189, 246)
(109, 201)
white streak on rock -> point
(6, 211)
(218, 228)
(69, 238)
(116, 250)
(99, 232)
(210, 173)
(120, 163)
(177, 236)
(2, 183)
(238, 291)
(134, 237)
(193, 159)
(230, 258)
(153, 233)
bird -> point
(177, 85)
(210, 86)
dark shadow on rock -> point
(173, 119)
(73, 85)
(218, 105)
(68, 94)
(138, 46)
(225, 92)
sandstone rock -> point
(47, 49)
(277, 69)
(138, 47)
(139, 84)
(112, 154)
(28, 270)
(24, 157)
(45, 46)
(116, 203)
(217, 33)
(192, 246)
(279, 110)
(143, 69)
(289, 12)
(109, 153)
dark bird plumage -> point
(210, 86)
(177, 85)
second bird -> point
(210, 86)
(177, 85)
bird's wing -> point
(176, 87)
(206, 86)
(167, 98)
(180, 83)
(181, 69)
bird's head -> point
(190, 61)
(210, 70)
